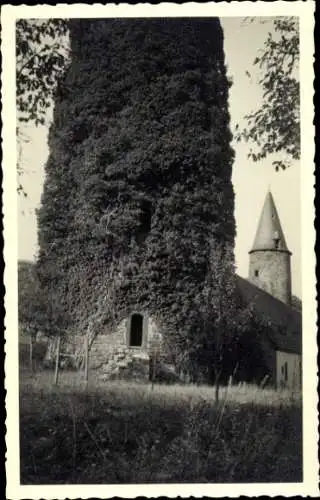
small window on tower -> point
(276, 239)
(256, 272)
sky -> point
(251, 181)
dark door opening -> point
(136, 330)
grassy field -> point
(130, 433)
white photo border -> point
(305, 12)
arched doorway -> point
(136, 330)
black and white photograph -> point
(159, 250)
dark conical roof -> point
(269, 235)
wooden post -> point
(217, 385)
(31, 352)
(56, 371)
(152, 369)
(86, 353)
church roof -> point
(277, 312)
(269, 235)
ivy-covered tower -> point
(269, 265)
(138, 182)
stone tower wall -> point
(274, 273)
(111, 357)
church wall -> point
(270, 360)
(288, 370)
(274, 273)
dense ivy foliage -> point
(138, 186)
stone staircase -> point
(124, 364)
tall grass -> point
(133, 433)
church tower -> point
(269, 264)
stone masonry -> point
(112, 357)
(270, 270)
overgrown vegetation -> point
(126, 433)
(41, 58)
(136, 150)
(229, 346)
(275, 126)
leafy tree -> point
(38, 311)
(41, 58)
(226, 318)
(28, 294)
(138, 181)
(38, 307)
(221, 328)
(275, 126)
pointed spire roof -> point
(269, 235)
